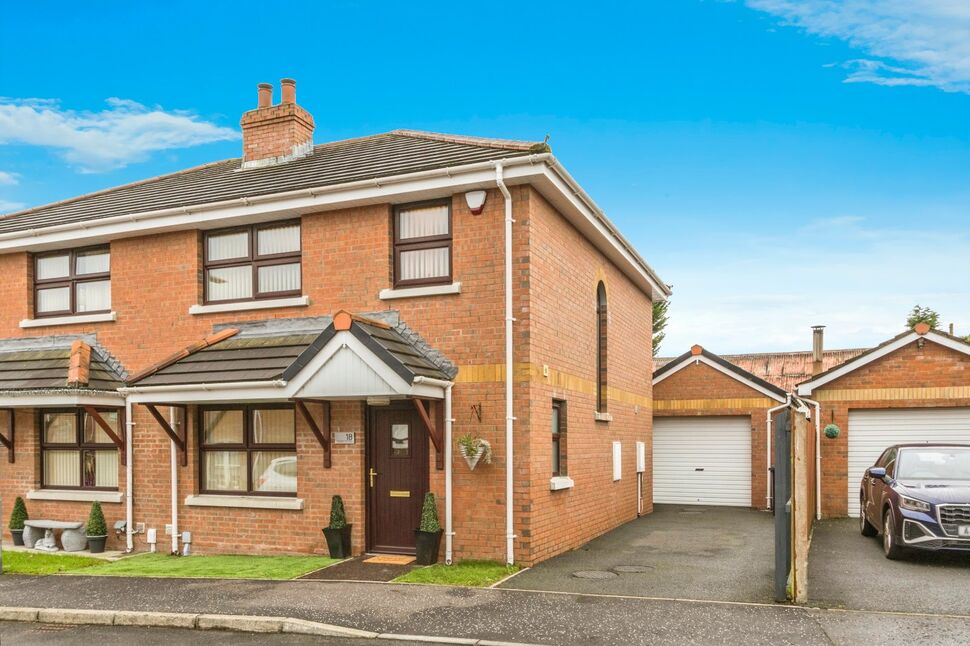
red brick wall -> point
(932, 365)
(701, 382)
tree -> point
(921, 314)
(659, 323)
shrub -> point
(19, 514)
(429, 515)
(96, 525)
(338, 518)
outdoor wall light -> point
(475, 201)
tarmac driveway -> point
(848, 570)
(681, 552)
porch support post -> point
(93, 414)
(433, 431)
(8, 441)
(322, 433)
(179, 440)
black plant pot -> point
(427, 544)
(18, 536)
(338, 541)
(96, 544)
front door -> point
(397, 477)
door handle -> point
(371, 474)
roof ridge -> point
(489, 142)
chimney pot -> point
(264, 95)
(288, 90)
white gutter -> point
(509, 418)
(768, 442)
(129, 479)
(818, 456)
(236, 385)
(175, 481)
(449, 532)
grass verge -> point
(40, 563)
(473, 574)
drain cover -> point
(594, 574)
(632, 569)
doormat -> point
(390, 559)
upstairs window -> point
(251, 263)
(422, 244)
(602, 322)
(72, 282)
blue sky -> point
(782, 163)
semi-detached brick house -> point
(223, 349)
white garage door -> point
(702, 460)
(871, 431)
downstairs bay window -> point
(76, 453)
(248, 450)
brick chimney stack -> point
(276, 134)
(818, 332)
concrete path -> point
(848, 570)
(684, 552)
(512, 615)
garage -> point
(702, 461)
(871, 431)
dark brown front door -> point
(397, 477)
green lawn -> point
(163, 565)
(39, 563)
(475, 574)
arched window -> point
(601, 334)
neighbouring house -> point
(711, 412)
(220, 350)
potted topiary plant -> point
(338, 532)
(474, 449)
(17, 518)
(428, 535)
(96, 530)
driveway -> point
(848, 570)
(679, 552)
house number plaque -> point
(344, 437)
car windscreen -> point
(942, 463)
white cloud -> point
(9, 179)
(123, 133)
(760, 294)
(7, 206)
(913, 42)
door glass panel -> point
(57, 299)
(92, 261)
(93, 296)
(225, 470)
(400, 441)
(225, 246)
(230, 283)
(274, 471)
(53, 267)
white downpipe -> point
(129, 479)
(449, 532)
(509, 418)
(771, 411)
(172, 421)
(818, 456)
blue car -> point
(918, 497)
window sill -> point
(558, 483)
(73, 495)
(244, 502)
(602, 417)
(413, 292)
(104, 317)
(215, 308)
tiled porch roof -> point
(58, 363)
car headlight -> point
(913, 504)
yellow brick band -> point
(894, 394)
(712, 404)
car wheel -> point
(889, 546)
(864, 525)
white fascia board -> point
(730, 373)
(582, 212)
(59, 400)
(805, 389)
(401, 188)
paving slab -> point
(682, 552)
